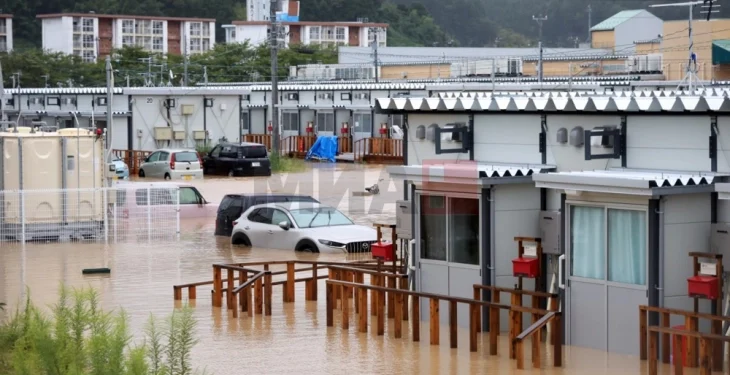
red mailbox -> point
(525, 267)
(384, 251)
(703, 286)
(343, 130)
(383, 131)
(270, 128)
(310, 130)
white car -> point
(172, 164)
(302, 226)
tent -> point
(324, 148)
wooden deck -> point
(367, 150)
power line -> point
(274, 38)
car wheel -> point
(206, 170)
(240, 239)
(307, 247)
(230, 173)
(167, 176)
(141, 173)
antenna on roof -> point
(691, 70)
(709, 4)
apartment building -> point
(260, 10)
(91, 35)
(6, 33)
(354, 34)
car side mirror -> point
(284, 225)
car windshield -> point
(319, 217)
(186, 156)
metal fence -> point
(124, 213)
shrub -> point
(79, 338)
(285, 164)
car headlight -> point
(331, 243)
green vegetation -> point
(225, 63)
(79, 338)
(285, 164)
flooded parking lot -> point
(295, 338)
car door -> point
(227, 159)
(280, 238)
(161, 163)
(258, 226)
(210, 161)
(149, 164)
(191, 203)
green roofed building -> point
(619, 31)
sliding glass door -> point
(449, 247)
(607, 282)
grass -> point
(285, 164)
(80, 338)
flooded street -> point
(295, 339)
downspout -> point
(405, 151)
(471, 136)
(654, 277)
(205, 121)
(486, 222)
(130, 129)
(561, 292)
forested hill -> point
(472, 23)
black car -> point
(233, 205)
(238, 159)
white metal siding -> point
(255, 34)
(507, 138)
(424, 151)
(57, 34)
(571, 158)
(668, 142)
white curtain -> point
(588, 241)
(627, 246)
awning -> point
(630, 182)
(721, 51)
(484, 174)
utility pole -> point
(2, 96)
(45, 77)
(274, 40)
(590, 23)
(539, 21)
(109, 115)
(185, 70)
(205, 75)
(375, 31)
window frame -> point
(447, 230)
(198, 197)
(606, 276)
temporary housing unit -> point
(50, 183)
(603, 184)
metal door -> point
(601, 312)
(325, 123)
(464, 245)
(289, 125)
(362, 128)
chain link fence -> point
(114, 214)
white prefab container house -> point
(51, 183)
(620, 188)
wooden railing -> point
(264, 139)
(379, 150)
(297, 145)
(344, 144)
(534, 332)
(709, 357)
(133, 158)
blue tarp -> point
(324, 148)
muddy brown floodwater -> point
(295, 339)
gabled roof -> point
(617, 19)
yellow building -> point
(709, 45)
(576, 66)
(415, 71)
(618, 32)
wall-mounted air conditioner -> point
(69, 101)
(292, 96)
(53, 101)
(101, 101)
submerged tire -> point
(240, 239)
(306, 246)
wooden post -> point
(345, 310)
(453, 332)
(177, 293)
(691, 326)
(359, 279)
(328, 291)
(290, 280)
(315, 282)
(258, 296)
(416, 318)
(553, 306)
(363, 316)
(398, 321)
(242, 278)
(705, 357)
(404, 286)
(664, 322)
(391, 297)
(717, 345)
(642, 334)
(374, 295)
(515, 324)
(536, 340)
(249, 300)
(434, 321)
(678, 360)
(268, 291)
(234, 304)
(192, 292)
(381, 312)
(478, 297)
(519, 354)
(558, 346)
(496, 318)
(493, 329)
(474, 325)
(217, 287)
(653, 343)
(230, 286)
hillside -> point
(474, 23)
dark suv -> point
(233, 205)
(238, 159)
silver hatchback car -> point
(172, 164)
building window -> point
(157, 27)
(608, 244)
(433, 227)
(195, 45)
(340, 34)
(3, 44)
(88, 42)
(206, 29)
(314, 33)
(206, 44)
(84, 38)
(290, 121)
(88, 25)
(157, 44)
(127, 26)
(127, 40)
(195, 28)
(3, 27)
(89, 56)
(199, 36)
